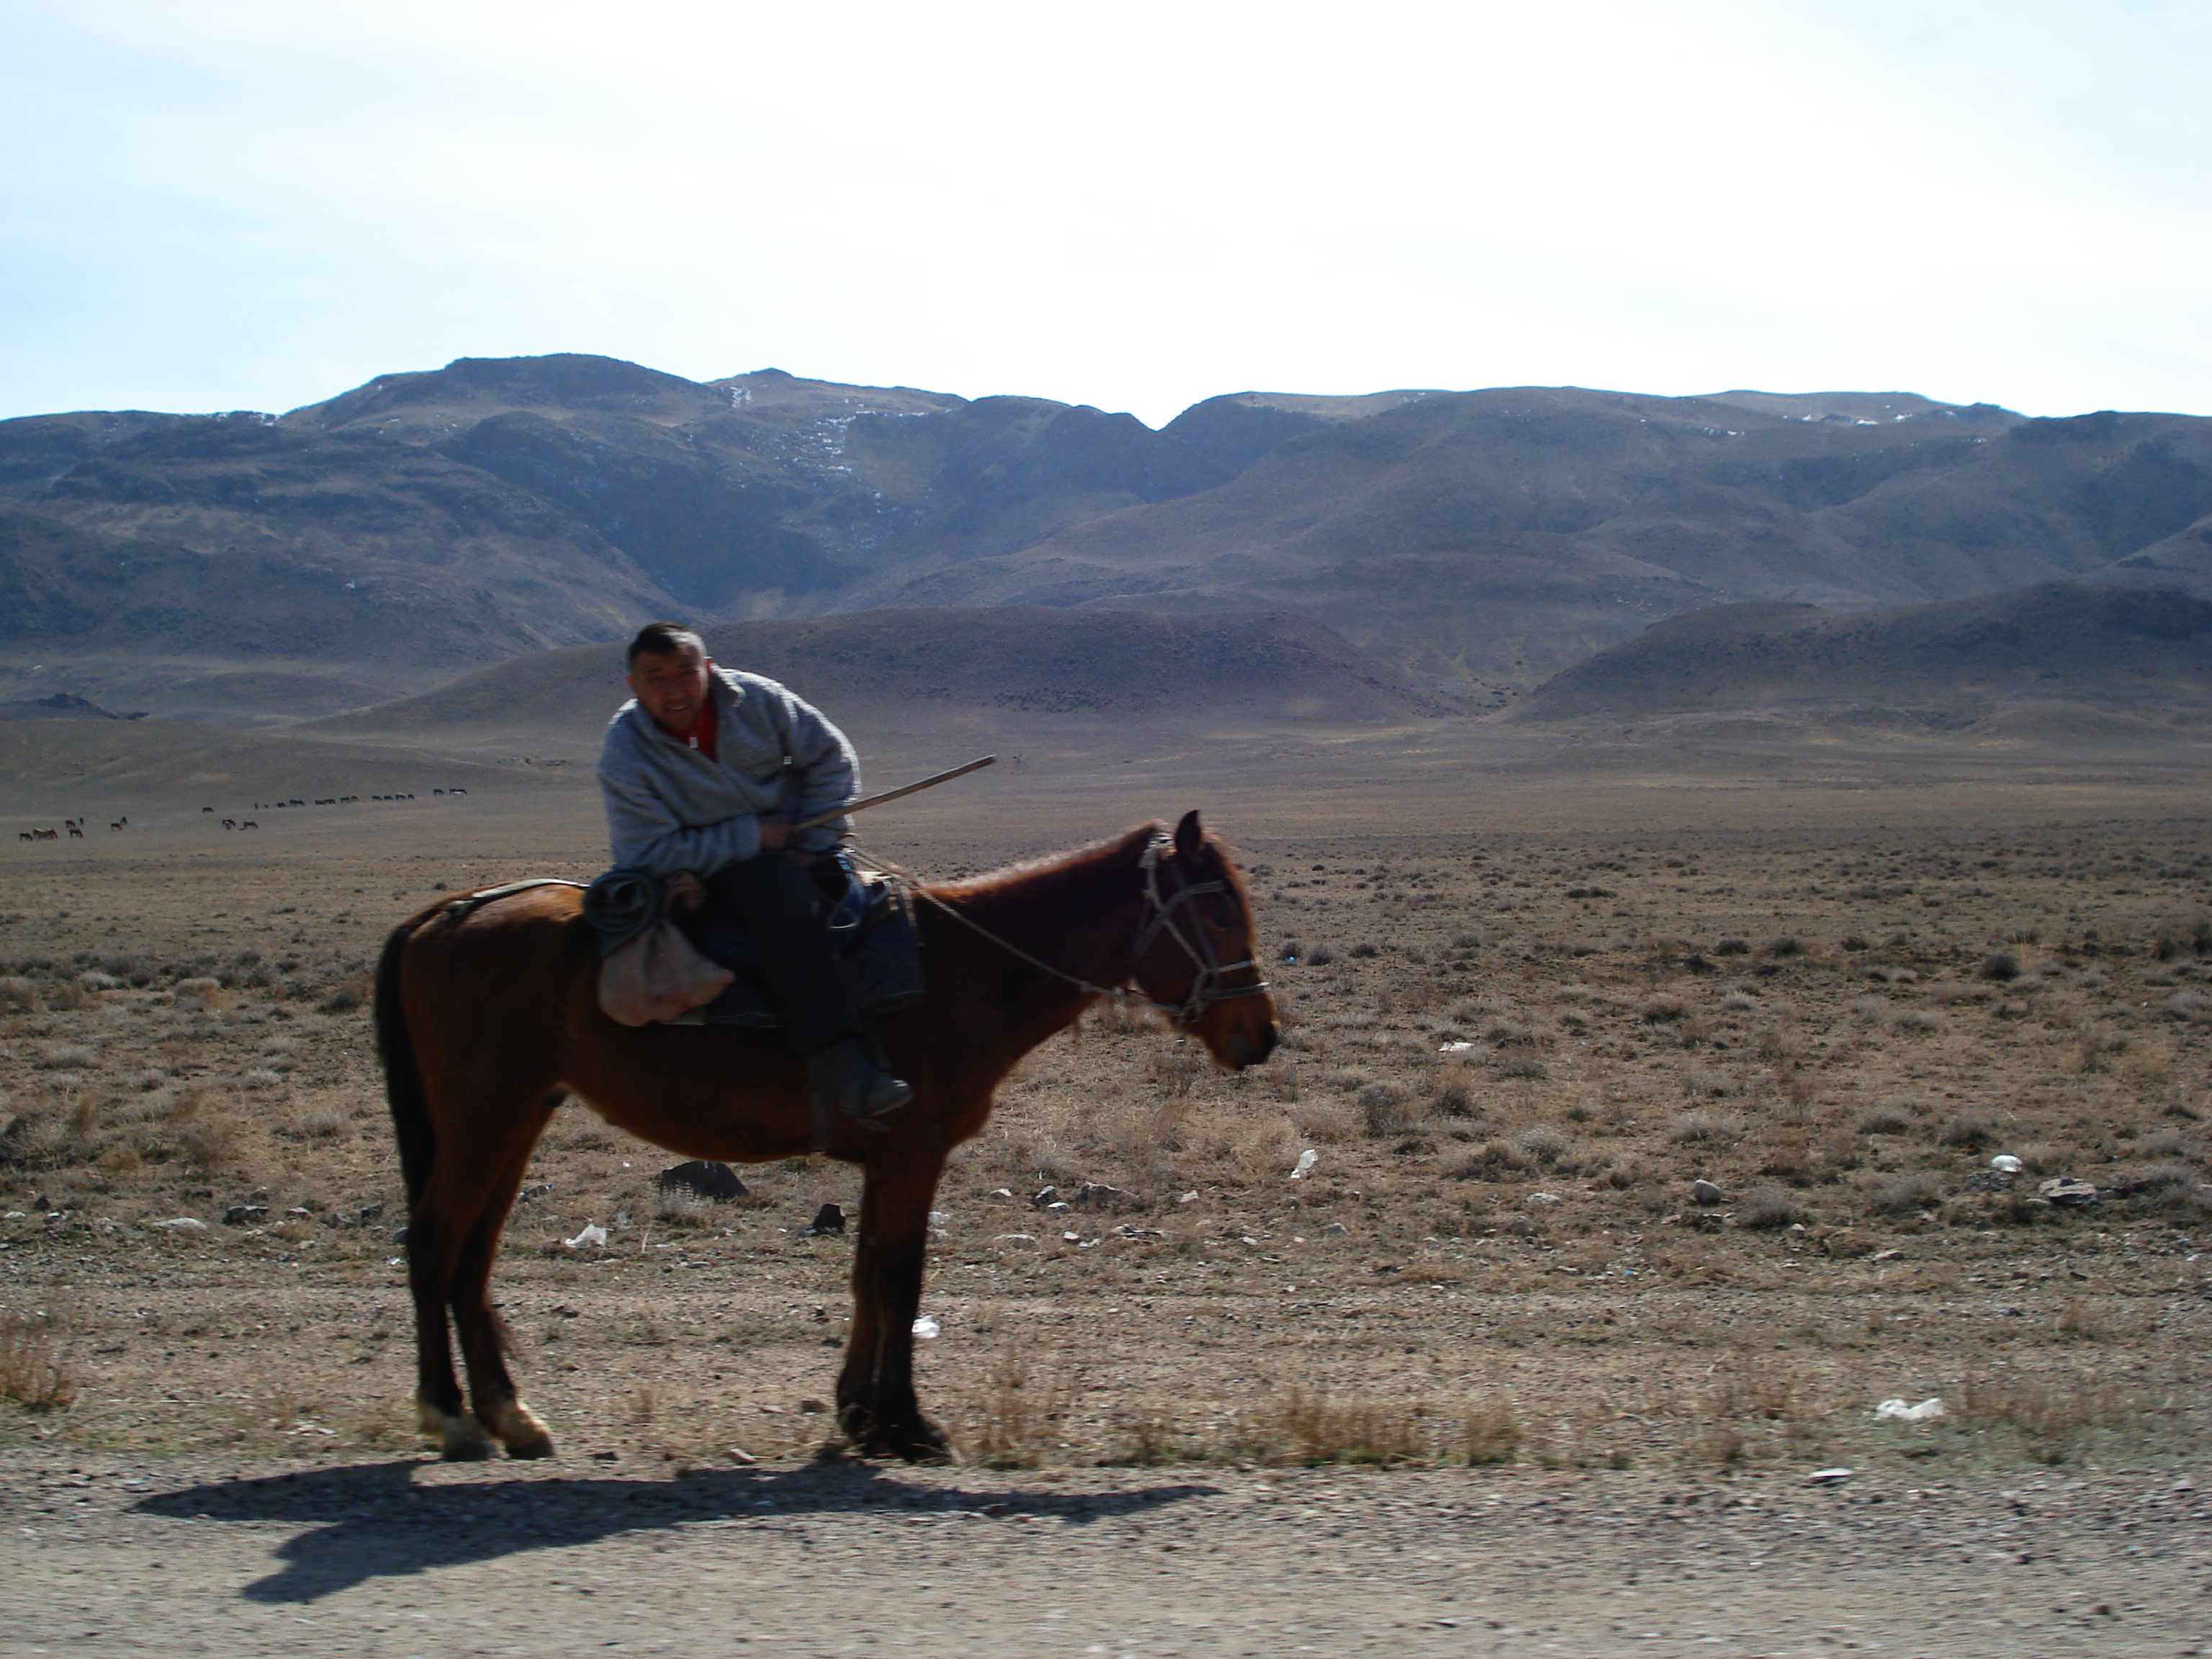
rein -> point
(1205, 986)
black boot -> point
(843, 1079)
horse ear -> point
(1189, 835)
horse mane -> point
(1075, 861)
(1081, 860)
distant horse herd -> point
(74, 828)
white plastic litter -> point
(1307, 1159)
(1454, 1047)
(593, 1233)
(183, 1223)
(939, 1218)
(2006, 1162)
(926, 1328)
(1830, 1477)
(1900, 1411)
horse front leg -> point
(876, 1404)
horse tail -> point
(411, 1124)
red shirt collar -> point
(701, 737)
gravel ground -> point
(203, 1555)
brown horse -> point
(487, 1019)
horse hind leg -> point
(482, 1334)
(438, 1404)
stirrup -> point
(842, 1082)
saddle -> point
(871, 922)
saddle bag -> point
(648, 970)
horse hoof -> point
(910, 1443)
(519, 1429)
(460, 1439)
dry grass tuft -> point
(2049, 1416)
(1492, 1435)
(1318, 1430)
(1700, 1129)
(36, 1371)
(1014, 1417)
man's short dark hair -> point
(663, 639)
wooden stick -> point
(862, 804)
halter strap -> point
(1206, 987)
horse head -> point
(1195, 954)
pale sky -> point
(257, 204)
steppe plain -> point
(1486, 1379)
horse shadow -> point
(378, 1523)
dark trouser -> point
(783, 907)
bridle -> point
(1208, 969)
(1163, 915)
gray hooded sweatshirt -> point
(670, 808)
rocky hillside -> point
(425, 521)
(897, 667)
(2113, 649)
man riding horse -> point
(706, 772)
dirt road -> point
(404, 1556)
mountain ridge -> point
(381, 539)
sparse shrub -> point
(1786, 945)
(1363, 950)
(1920, 1019)
(2040, 1157)
(1324, 1120)
(1854, 942)
(2164, 1142)
(1733, 947)
(1969, 1130)
(1452, 1096)
(2001, 966)
(1383, 1107)
(1885, 1118)
(1660, 1010)
(1768, 1209)
(350, 995)
(1492, 1161)
(675, 1207)
(1527, 1066)
(1699, 1081)
(18, 995)
(1905, 1193)
(1696, 1128)
(1320, 956)
(1542, 1146)
(209, 1143)
(202, 995)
